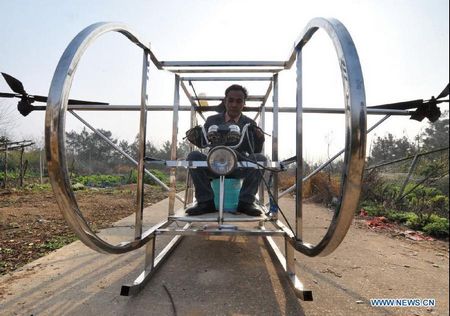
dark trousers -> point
(202, 177)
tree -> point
(389, 148)
(436, 134)
(6, 120)
(89, 151)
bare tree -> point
(7, 120)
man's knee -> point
(260, 157)
(195, 156)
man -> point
(234, 102)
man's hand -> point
(257, 131)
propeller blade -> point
(72, 101)
(41, 98)
(444, 93)
(405, 105)
(14, 84)
(7, 95)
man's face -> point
(234, 103)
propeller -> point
(424, 108)
(25, 106)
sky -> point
(403, 47)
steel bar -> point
(146, 275)
(354, 159)
(299, 150)
(191, 99)
(218, 63)
(226, 78)
(232, 70)
(174, 143)
(141, 154)
(55, 120)
(220, 232)
(131, 159)
(264, 101)
(275, 119)
(300, 291)
(220, 98)
(286, 109)
(204, 164)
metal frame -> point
(354, 152)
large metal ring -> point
(355, 140)
(55, 119)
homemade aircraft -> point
(177, 223)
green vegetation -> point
(105, 181)
(421, 208)
(58, 242)
(423, 204)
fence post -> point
(6, 165)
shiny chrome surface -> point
(174, 143)
(224, 63)
(220, 232)
(299, 151)
(300, 291)
(355, 111)
(226, 78)
(149, 270)
(139, 212)
(284, 109)
(55, 135)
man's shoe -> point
(250, 209)
(201, 208)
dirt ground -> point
(31, 224)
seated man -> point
(234, 102)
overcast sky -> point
(403, 46)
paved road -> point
(230, 276)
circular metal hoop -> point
(355, 139)
(55, 118)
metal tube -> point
(191, 99)
(299, 151)
(220, 98)
(173, 151)
(231, 70)
(262, 125)
(226, 78)
(219, 63)
(275, 139)
(221, 199)
(141, 154)
(285, 109)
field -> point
(31, 224)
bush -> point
(437, 227)
(99, 180)
(402, 217)
(373, 209)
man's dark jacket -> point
(219, 119)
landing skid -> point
(152, 263)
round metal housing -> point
(222, 160)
